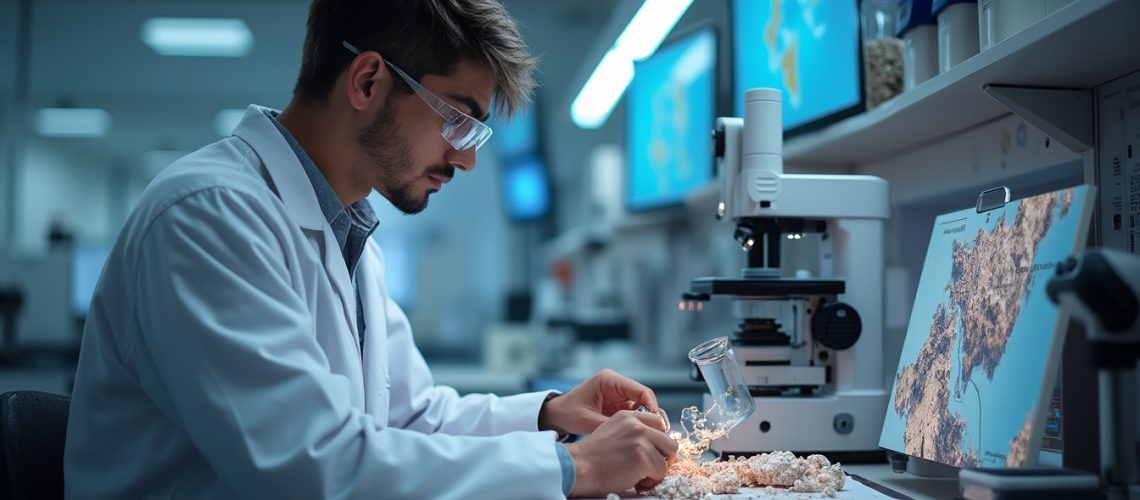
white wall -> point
(56, 181)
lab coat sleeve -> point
(420, 405)
(227, 351)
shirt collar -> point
(330, 203)
(340, 218)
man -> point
(241, 343)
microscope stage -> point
(767, 287)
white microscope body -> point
(811, 348)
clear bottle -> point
(733, 402)
(882, 51)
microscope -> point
(810, 347)
(1101, 288)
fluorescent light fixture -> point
(195, 36)
(640, 39)
(649, 27)
(72, 122)
(602, 90)
(226, 120)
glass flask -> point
(732, 403)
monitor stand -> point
(925, 468)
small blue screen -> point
(526, 188)
(806, 48)
(516, 136)
(87, 261)
(670, 118)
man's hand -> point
(594, 401)
(630, 449)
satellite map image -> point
(671, 112)
(978, 349)
(807, 48)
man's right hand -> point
(629, 449)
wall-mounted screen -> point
(525, 181)
(526, 189)
(809, 50)
(671, 110)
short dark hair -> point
(421, 37)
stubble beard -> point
(390, 160)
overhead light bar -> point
(226, 120)
(640, 39)
(601, 92)
(195, 36)
(72, 122)
(649, 27)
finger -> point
(652, 420)
(647, 484)
(665, 445)
(658, 465)
(591, 420)
(622, 388)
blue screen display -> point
(525, 182)
(672, 107)
(806, 48)
(517, 136)
(87, 261)
(526, 190)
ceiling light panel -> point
(72, 122)
(195, 36)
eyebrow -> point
(476, 110)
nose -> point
(463, 160)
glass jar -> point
(882, 51)
(732, 402)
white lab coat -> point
(221, 360)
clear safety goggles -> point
(459, 129)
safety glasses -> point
(459, 129)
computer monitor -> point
(976, 375)
(809, 50)
(516, 136)
(87, 260)
(671, 110)
(525, 182)
(526, 188)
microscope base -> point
(811, 424)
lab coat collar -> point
(297, 194)
(294, 188)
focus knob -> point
(836, 326)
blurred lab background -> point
(564, 252)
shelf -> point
(1080, 46)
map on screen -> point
(983, 342)
(807, 48)
(671, 112)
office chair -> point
(33, 426)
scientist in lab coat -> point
(241, 342)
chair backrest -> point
(33, 426)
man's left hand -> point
(592, 402)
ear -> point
(365, 77)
